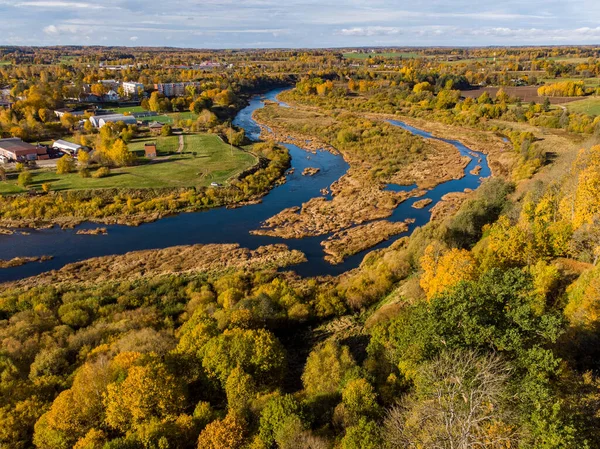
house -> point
(111, 95)
(14, 149)
(98, 121)
(155, 127)
(66, 147)
(150, 150)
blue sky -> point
(299, 23)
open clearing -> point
(214, 161)
(589, 105)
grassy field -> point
(214, 161)
(162, 118)
(406, 55)
(163, 144)
(5, 63)
(130, 109)
(590, 106)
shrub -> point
(25, 178)
(102, 172)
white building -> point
(131, 88)
(174, 89)
(98, 121)
(66, 147)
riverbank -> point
(133, 207)
(334, 181)
(182, 260)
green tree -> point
(257, 352)
(274, 416)
(327, 368)
(240, 390)
(166, 130)
(364, 435)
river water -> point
(230, 225)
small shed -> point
(150, 150)
(155, 127)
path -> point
(181, 144)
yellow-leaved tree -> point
(226, 433)
(118, 154)
(583, 306)
(443, 269)
(582, 202)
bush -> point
(102, 172)
(25, 178)
(84, 173)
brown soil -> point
(354, 240)
(191, 259)
(422, 203)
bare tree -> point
(458, 403)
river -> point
(224, 225)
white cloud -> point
(133, 38)
(54, 30)
(58, 4)
(370, 31)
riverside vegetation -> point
(481, 329)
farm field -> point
(213, 161)
(589, 82)
(404, 55)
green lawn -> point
(163, 144)
(162, 118)
(5, 63)
(214, 161)
(129, 109)
(590, 106)
(157, 118)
